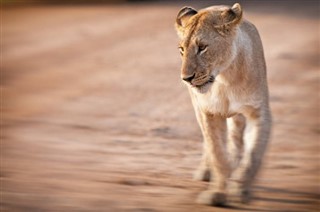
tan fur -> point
(217, 43)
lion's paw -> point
(212, 198)
(239, 194)
(202, 175)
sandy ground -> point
(95, 118)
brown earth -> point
(94, 116)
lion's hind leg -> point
(255, 142)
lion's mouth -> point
(209, 81)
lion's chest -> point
(218, 101)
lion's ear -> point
(230, 18)
(183, 16)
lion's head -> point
(206, 42)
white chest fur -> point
(216, 100)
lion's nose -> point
(189, 78)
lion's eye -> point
(181, 49)
(202, 48)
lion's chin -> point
(203, 88)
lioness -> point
(224, 68)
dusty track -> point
(94, 117)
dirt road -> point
(95, 118)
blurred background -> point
(94, 116)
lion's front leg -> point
(255, 143)
(236, 126)
(214, 132)
(203, 172)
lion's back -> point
(257, 54)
